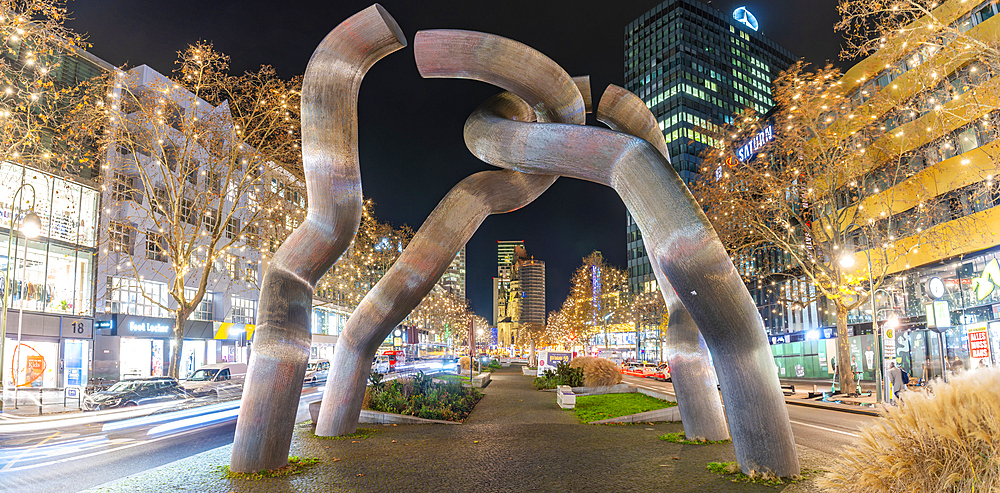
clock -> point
(935, 287)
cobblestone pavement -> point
(516, 440)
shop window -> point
(120, 237)
(243, 311)
(156, 247)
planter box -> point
(532, 372)
(565, 397)
(481, 380)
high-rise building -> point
(531, 273)
(508, 251)
(453, 279)
(695, 67)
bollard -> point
(40, 394)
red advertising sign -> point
(979, 346)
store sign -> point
(979, 344)
(750, 148)
(984, 284)
(743, 16)
(938, 316)
(148, 328)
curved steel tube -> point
(692, 374)
(550, 94)
(684, 247)
(333, 183)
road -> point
(822, 430)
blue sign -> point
(743, 16)
(750, 148)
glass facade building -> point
(695, 67)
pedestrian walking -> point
(895, 375)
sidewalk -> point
(517, 439)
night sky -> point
(411, 144)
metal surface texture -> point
(681, 243)
(540, 90)
(333, 182)
(691, 372)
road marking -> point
(825, 428)
(23, 453)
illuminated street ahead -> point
(61, 453)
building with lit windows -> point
(939, 104)
(50, 278)
(453, 279)
(136, 326)
(531, 273)
(695, 67)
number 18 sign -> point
(979, 345)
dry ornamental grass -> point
(600, 372)
(944, 440)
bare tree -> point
(191, 181)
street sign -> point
(889, 342)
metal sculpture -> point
(544, 91)
(684, 249)
(691, 372)
(333, 183)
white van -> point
(317, 371)
(219, 376)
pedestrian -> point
(896, 380)
(926, 370)
(957, 365)
(982, 363)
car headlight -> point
(112, 402)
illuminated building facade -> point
(695, 67)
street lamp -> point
(31, 227)
(847, 261)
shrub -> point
(939, 440)
(564, 375)
(581, 361)
(420, 396)
(601, 372)
(464, 362)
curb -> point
(833, 407)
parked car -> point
(662, 373)
(317, 371)
(638, 369)
(211, 378)
(134, 392)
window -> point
(187, 212)
(210, 219)
(233, 267)
(120, 237)
(204, 309)
(232, 227)
(191, 171)
(156, 246)
(249, 272)
(215, 182)
(243, 311)
(160, 201)
(120, 186)
(135, 297)
(967, 140)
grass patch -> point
(295, 465)
(453, 378)
(733, 469)
(359, 434)
(681, 438)
(597, 407)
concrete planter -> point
(531, 372)
(378, 417)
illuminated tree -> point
(597, 298)
(35, 94)
(192, 179)
(802, 218)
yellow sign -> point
(984, 284)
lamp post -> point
(31, 227)
(847, 261)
